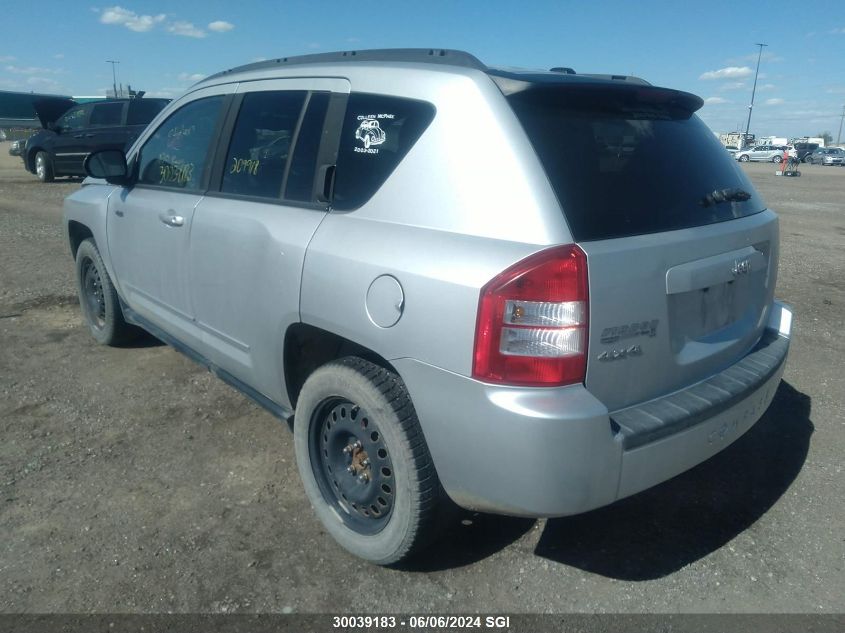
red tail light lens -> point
(533, 321)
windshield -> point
(631, 160)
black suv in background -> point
(72, 131)
(803, 150)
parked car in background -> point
(450, 306)
(803, 150)
(764, 153)
(732, 150)
(826, 156)
(72, 131)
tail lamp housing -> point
(533, 321)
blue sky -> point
(703, 47)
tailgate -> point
(672, 309)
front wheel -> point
(364, 462)
(98, 298)
(44, 167)
(808, 160)
(777, 159)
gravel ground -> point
(133, 481)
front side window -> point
(177, 152)
(261, 143)
(378, 131)
(106, 114)
(73, 119)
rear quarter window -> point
(142, 111)
(378, 131)
(624, 163)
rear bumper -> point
(554, 452)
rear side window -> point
(176, 154)
(629, 160)
(261, 143)
(142, 111)
(106, 114)
(378, 131)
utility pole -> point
(114, 75)
(753, 90)
(842, 118)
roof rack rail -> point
(566, 70)
(420, 55)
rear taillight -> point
(532, 321)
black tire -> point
(777, 159)
(348, 409)
(808, 160)
(98, 299)
(44, 167)
(744, 158)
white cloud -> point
(59, 56)
(715, 100)
(839, 31)
(130, 19)
(31, 70)
(733, 85)
(776, 101)
(220, 26)
(43, 83)
(766, 87)
(730, 72)
(6, 58)
(186, 29)
(190, 76)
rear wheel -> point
(364, 462)
(743, 158)
(44, 167)
(808, 160)
(777, 159)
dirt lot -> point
(133, 481)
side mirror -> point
(108, 164)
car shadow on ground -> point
(142, 341)
(467, 538)
(659, 531)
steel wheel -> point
(352, 465)
(364, 462)
(92, 290)
(743, 158)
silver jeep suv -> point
(459, 284)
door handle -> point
(171, 220)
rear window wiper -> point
(733, 194)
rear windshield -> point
(631, 160)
